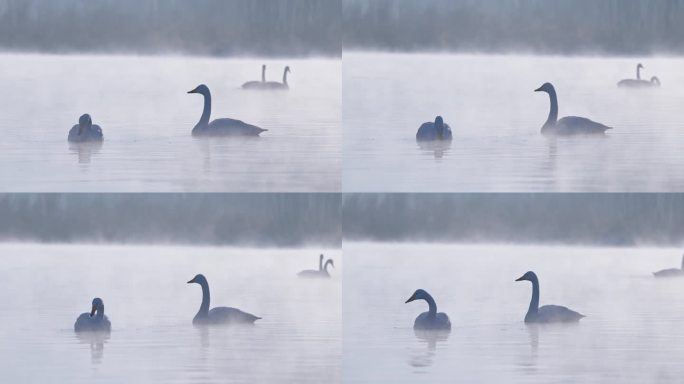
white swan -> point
(321, 272)
(85, 131)
(218, 315)
(434, 131)
(671, 272)
(276, 85)
(430, 320)
(547, 313)
(95, 321)
(220, 127)
(570, 125)
(257, 84)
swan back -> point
(434, 131)
(95, 320)
(85, 131)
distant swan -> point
(547, 313)
(322, 272)
(571, 125)
(218, 315)
(257, 84)
(671, 272)
(95, 321)
(220, 127)
(277, 85)
(638, 82)
(430, 320)
(85, 131)
(434, 131)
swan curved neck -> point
(99, 312)
(432, 306)
(285, 77)
(638, 72)
(325, 267)
(204, 307)
(553, 112)
(263, 74)
(534, 303)
(320, 263)
(206, 113)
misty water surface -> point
(146, 115)
(632, 334)
(496, 117)
(151, 308)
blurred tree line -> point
(199, 27)
(592, 219)
(206, 219)
(620, 27)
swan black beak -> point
(193, 91)
(410, 299)
(92, 311)
(538, 89)
(521, 278)
(191, 281)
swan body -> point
(430, 320)
(434, 131)
(95, 321)
(218, 315)
(257, 84)
(85, 131)
(220, 127)
(546, 313)
(671, 272)
(567, 126)
(321, 272)
(274, 85)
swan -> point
(671, 272)
(220, 127)
(570, 125)
(547, 313)
(257, 84)
(430, 320)
(434, 131)
(85, 131)
(277, 85)
(322, 272)
(633, 82)
(95, 321)
(218, 315)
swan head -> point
(528, 276)
(97, 305)
(287, 69)
(199, 279)
(546, 87)
(201, 89)
(84, 122)
(655, 80)
(419, 294)
(640, 66)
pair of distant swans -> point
(439, 321)
(96, 321)
(638, 82)
(567, 126)
(322, 270)
(268, 85)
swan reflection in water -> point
(97, 341)
(424, 357)
(85, 151)
(436, 149)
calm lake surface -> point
(496, 118)
(146, 115)
(633, 332)
(151, 309)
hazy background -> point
(197, 27)
(616, 27)
(573, 219)
(263, 220)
